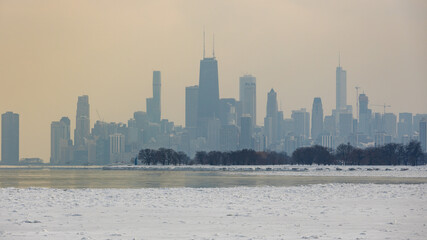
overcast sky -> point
(53, 51)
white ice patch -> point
(321, 211)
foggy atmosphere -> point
(213, 119)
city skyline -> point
(293, 85)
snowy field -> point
(331, 211)
(294, 170)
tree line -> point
(345, 154)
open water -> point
(98, 178)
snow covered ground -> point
(328, 211)
(293, 170)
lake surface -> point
(98, 178)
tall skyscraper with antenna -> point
(208, 99)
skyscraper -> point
(208, 89)
(82, 121)
(365, 115)
(341, 89)
(301, 123)
(345, 124)
(423, 134)
(10, 138)
(154, 103)
(208, 103)
(389, 124)
(405, 125)
(246, 132)
(247, 96)
(60, 142)
(191, 100)
(227, 111)
(270, 121)
(316, 118)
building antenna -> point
(339, 59)
(204, 42)
(213, 45)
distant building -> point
(328, 141)
(154, 103)
(247, 96)
(389, 124)
(208, 100)
(82, 130)
(301, 123)
(404, 126)
(329, 125)
(365, 115)
(213, 134)
(60, 142)
(10, 138)
(229, 138)
(270, 121)
(316, 119)
(246, 133)
(423, 134)
(378, 124)
(191, 100)
(382, 138)
(345, 124)
(416, 121)
(227, 111)
(117, 147)
(341, 88)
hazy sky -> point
(53, 51)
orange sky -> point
(53, 51)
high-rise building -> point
(154, 103)
(345, 124)
(227, 111)
(213, 134)
(117, 143)
(389, 124)
(191, 100)
(327, 141)
(341, 89)
(229, 137)
(329, 125)
(404, 125)
(423, 134)
(270, 122)
(208, 99)
(246, 132)
(301, 123)
(247, 96)
(60, 142)
(10, 138)
(377, 125)
(82, 130)
(316, 118)
(365, 115)
(416, 121)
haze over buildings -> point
(54, 52)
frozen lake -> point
(98, 178)
(312, 203)
(319, 211)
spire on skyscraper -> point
(204, 43)
(213, 45)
